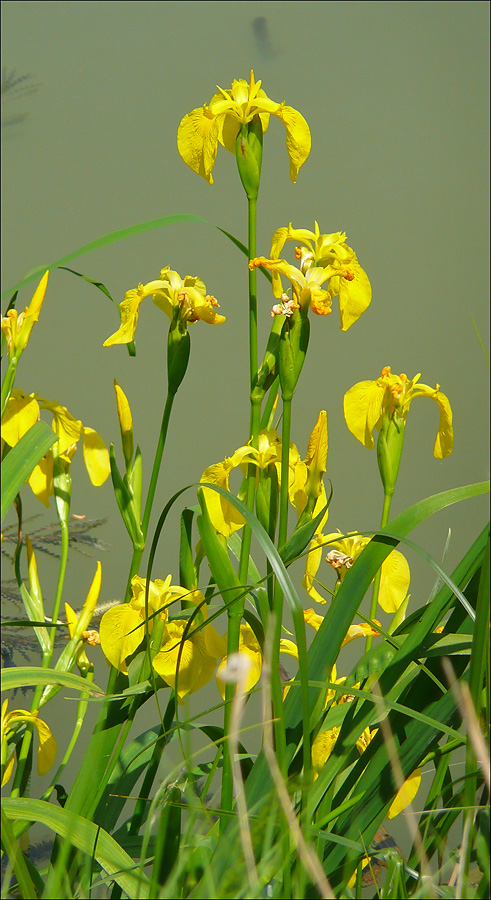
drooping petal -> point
(249, 645)
(313, 618)
(298, 140)
(224, 516)
(444, 439)
(363, 406)
(197, 141)
(96, 456)
(41, 479)
(65, 425)
(322, 748)
(121, 632)
(313, 562)
(355, 294)
(21, 414)
(289, 648)
(394, 582)
(46, 754)
(363, 629)
(405, 795)
(196, 667)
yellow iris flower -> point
(305, 476)
(342, 552)
(367, 402)
(24, 410)
(220, 121)
(347, 278)
(122, 627)
(17, 327)
(10, 723)
(323, 257)
(167, 292)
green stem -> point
(138, 552)
(235, 615)
(376, 581)
(276, 687)
(252, 292)
(82, 707)
(65, 542)
(285, 471)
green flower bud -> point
(249, 155)
(293, 348)
(389, 449)
(178, 349)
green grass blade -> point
(20, 461)
(82, 834)
(24, 676)
(18, 861)
(120, 235)
(326, 645)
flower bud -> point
(389, 449)
(125, 424)
(293, 348)
(249, 155)
(178, 349)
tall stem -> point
(235, 616)
(138, 553)
(276, 688)
(376, 581)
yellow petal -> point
(65, 425)
(21, 414)
(41, 479)
(298, 141)
(394, 582)
(313, 562)
(31, 314)
(363, 405)
(196, 667)
(71, 619)
(121, 632)
(197, 141)
(223, 515)
(96, 456)
(216, 645)
(360, 630)
(354, 295)
(124, 411)
(289, 648)
(9, 767)
(129, 309)
(47, 747)
(322, 748)
(444, 439)
(405, 795)
(312, 618)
